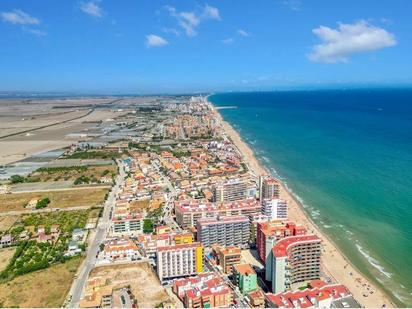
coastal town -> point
(161, 204)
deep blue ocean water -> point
(347, 154)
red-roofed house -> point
(206, 290)
(317, 296)
(120, 249)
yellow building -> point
(184, 238)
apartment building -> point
(130, 225)
(225, 231)
(268, 188)
(227, 257)
(275, 209)
(319, 294)
(148, 243)
(246, 278)
(294, 259)
(232, 190)
(183, 238)
(269, 232)
(180, 260)
(207, 290)
(254, 220)
(120, 249)
(189, 211)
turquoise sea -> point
(347, 155)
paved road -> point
(101, 233)
(239, 298)
(168, 207)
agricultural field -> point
(41, 289)
(6, 222)
(87, 197)
(67, 220)
(95, 154)
(5, 255)
(71, 173)
(32, 255)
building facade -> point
(180, 260)
(189, 211)
(318, 295)
(129, 225)
(120, 249)
(268, 188)
(294, 259)
(246, 278)
(230, 191)
(224, 231)
(275, 209)
(227, 257)
(207, 290)
(268, 232)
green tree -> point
(147, 226)
(43, 203)
(16, 179)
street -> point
(240, 300)
(101, 233)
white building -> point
(268, 188)
(130, 225)
(232, 190)
(275, 209)
(73, 248)
(179, 261)
(120, 249)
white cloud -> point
(153, 40)
(188, 21)
(36, 32)
(92, 9)
(210, 12)
(172, 31)
(294, 5)
(18, 17)
(228, 41)
(243, 32)
(348, 39)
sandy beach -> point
(334, 263)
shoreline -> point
(334, 263)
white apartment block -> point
(232, 190)
(275, 209)
(130, 225)
(268, 188)
(180, 260)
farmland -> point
(58, 199)
(43, 288)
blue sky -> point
(112, 46)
